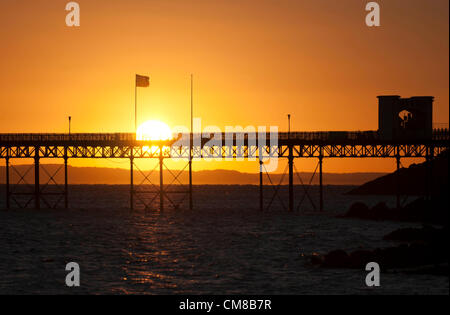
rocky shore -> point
(422, 251)
(420, 210)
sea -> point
(224, 245)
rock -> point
(407, 234)
(402, 257)
(381, 211)
(317, 259)
(427, 234)
(358, 210)
(336, 259)
(360, 258)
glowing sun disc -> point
(153, 130)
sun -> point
(153, 130)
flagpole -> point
(192, 102)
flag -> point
(142, 81)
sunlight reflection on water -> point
(225, 246)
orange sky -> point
(253, 61)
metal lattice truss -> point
(277, 186)
(147, 197)
(227, 152)
(51, 193)
(13, 194)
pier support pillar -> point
(131, 183)
(291, 178)
(397, 179)
(429, 170)
(191, 201)
(66, 181)
(320, 183)
(161, 183)
(8, 204)
(37, 193)
(261, 200)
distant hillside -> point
(112, 176)
(411, 180)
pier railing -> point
(52, 137)
(320, 136)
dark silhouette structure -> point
(405, 118)
(410, 137)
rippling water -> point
(224, 246)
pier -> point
(289, 145)
(405, 130)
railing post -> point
(37, 197)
